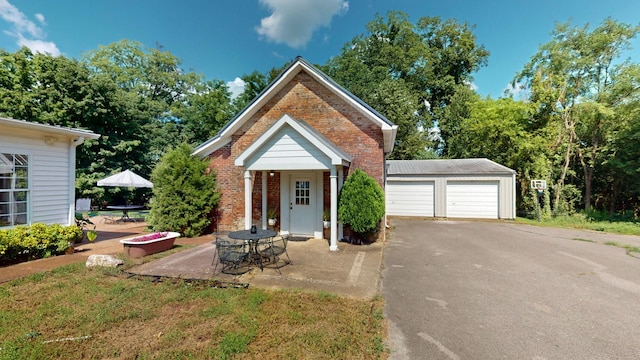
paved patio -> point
(353, 270)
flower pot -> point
(271, 222)
(326, 224)
(143, 245)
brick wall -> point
(307, 100)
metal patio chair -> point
(274, 249)
(232, 256)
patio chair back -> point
(231, 255)
(276, 247)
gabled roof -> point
(446, 167)
(49, 129)
(335, 155)
(299, 64)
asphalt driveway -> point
(492, 290)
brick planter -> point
(137, 247)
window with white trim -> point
(14, 189)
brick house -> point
(291, 148)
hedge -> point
(37, 241)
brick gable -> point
(305, 99)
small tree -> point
(184, 195)
(361, 203)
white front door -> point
(302, 205)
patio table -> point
(125, 211)
(253, 239)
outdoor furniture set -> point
(242, 249)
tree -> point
(254, 83)
(184, 193)
(149, 81)
(204, 111)
(501, 130)
(571, 81)
(361, 203)
(435, 60)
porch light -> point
(271, 173)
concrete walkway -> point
(352, 271)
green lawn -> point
(72, 313)
(580, 221)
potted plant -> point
(326, 218)
(272, 215)
(83, 222)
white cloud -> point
(40, 46)
(41, 19)
(236, 87)
(515, 89)
(25, 31)
(292, 22)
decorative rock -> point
(103, 260)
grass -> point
(73, 312)
(629, 248)
(580, 221)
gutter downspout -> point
(72, 179)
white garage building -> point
(454, 188)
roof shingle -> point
(446, 167)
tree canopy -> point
(576, 126)
(427, 65)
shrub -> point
(184, 195)
(361, 203)
(36, 241)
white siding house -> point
(454, 188)
(37, 172)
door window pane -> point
(302, 192)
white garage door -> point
(472, 199)
(410, 198)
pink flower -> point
(153, 236)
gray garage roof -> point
(446, 167)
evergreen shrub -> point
(361, 203)
(184, 195)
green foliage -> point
(433, 58)
(273, 212)
(36, 241)
(204, 111)
(582, 92)
(361, 203)
(184, 194)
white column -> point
(333, 177)
(264, 199)
(247, 200)
(340, 183)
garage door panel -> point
(472, 199)
(413, 198)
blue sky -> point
(224, 39)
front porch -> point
(300, 197)
(293, 167)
